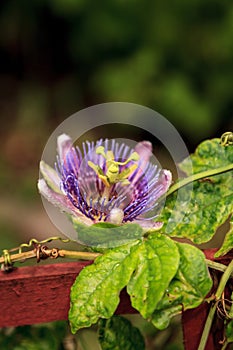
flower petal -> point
(144, 149)
(166, 180)
(57, 199)
(50, 176)
(158, 189)
(149, 225)
(61, 201)
(64, 145)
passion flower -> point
(105, 182)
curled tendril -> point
(7, 265)
(34, 242)
(222, 306)
(41, 251)
(227, 139)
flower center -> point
(114, 172)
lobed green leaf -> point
(95, 293)
(198, 217)
(145, 267)
(157, 262)
(210, 154)
(187, 289)
(162, 277)
(227, 243)
(118, 333)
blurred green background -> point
(59, 56)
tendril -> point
(40, 251)
(227, 139)
(34, 242)
(7, 265)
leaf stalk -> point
(198, 176)
(225, 277)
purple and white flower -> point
(105, 182)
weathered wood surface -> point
(37, 294)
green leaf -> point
(229, 332)
(198, 217)
(117, 333)
(187, 289)
(157, 262)
(95, 293)
(107, 235)
(146, 267)
(228, 242)
(210, 154)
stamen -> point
(113, 173)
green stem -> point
(226, 343)
(199, 176)
(61, 253)
(216, 266)
(73, 254)
(231, 308)
(225, 277)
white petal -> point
(149, 225)
(166, 180)
(50, 176)
(144, 149)
(57, 199)
(64, 144)
(61, 201)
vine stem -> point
(217, 266)
(225, 345)
(199, 176)
(225, 277)
(73, 254)
(62, 253)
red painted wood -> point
(37, 294)
(193, 324)
(194, 320)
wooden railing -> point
(37, 294)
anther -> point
(113, 174)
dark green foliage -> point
(117, 333)
(38, 337)
(176, 59)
